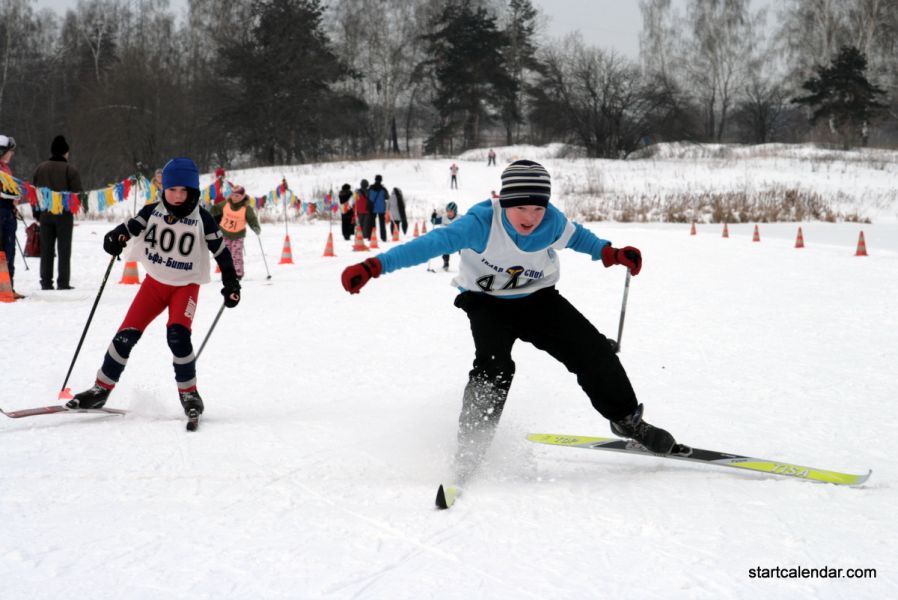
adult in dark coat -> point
(363, 215)
(346, 214)
(56, 230)
(377, 204)
(399, 216)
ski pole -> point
(63, 394)
(258, 237)
(22, 252)
(623, 312)
(211, 329)
(19, 244)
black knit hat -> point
(525, 182)
(58, 147)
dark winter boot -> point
(191, 401)
(653, 438)
(95, 397)
(482, 407)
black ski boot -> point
(193, 408)
(191, 401)
(654, 439)
(95, 397)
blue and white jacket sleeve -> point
(587, 242)
(470, 231)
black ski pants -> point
(551, 323)
(56, 232)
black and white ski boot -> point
(191, 400)
(95, 397)
(193, 408)
(654, 439)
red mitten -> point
(628, 256)
(356, 276)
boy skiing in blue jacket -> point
(509, 266)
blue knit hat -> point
(525, 182)
(180, 172)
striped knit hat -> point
(525, 182)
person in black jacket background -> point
(56, 230)
(346, 213)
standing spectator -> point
(157, 183)
(56, 230)
(346, 215)
(453, 170)
(219, 186)
(8, 211)
(397, 210)
(233, 216)
(363, 215)
(377, 204)
(491, 158)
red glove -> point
(356, 276)
(628, 256)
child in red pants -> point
(169, 238)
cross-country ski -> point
(710, 457)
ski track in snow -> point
(331, 420)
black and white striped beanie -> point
(525, 182)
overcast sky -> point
(608, 24)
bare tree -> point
(714, 58)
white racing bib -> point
(503, 269)
(172, 250)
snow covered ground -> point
(331, 419)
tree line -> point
(263, 82)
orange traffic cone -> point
(329, 246)
(395, 232)
(861, 246)
(799, 239)
(692, 231)
(423, 227)
(359, 244)
(415, 234)
(373, 241)
(217, 268)
(130, 275)
(757, 235)
(286, 253)
(6, 294)
(726, 231)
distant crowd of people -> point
(371, 207)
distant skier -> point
(509, 267)
(444, 220)
(173, 240)
(453, 172)
(233, 217)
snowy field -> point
(330, 420)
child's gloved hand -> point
(231, 292)
(356, 276)
(114, 241)
(627, 256)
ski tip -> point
(446, 496)
(862, 478)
